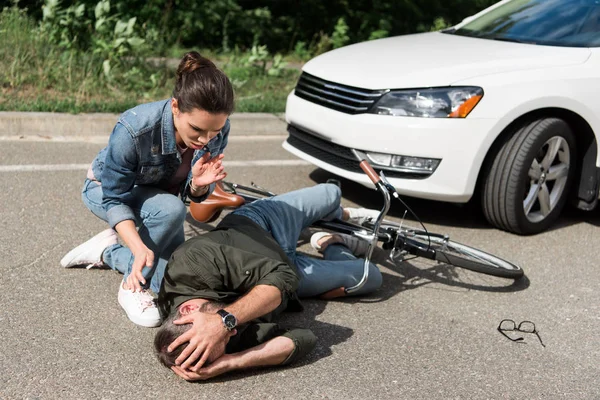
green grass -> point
(257, 92)
(47, 104)
(35, 75)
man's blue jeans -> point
(285, 216)
(159, 218)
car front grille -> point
(347, 99)
(334, 154)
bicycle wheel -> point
(459, 255)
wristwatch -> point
(229, 320)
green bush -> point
(224, 25)
(51, 65)
(45, 72)
(340, 37)
(95, 55)
(113, 40)
(17, 49)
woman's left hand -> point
(143, 257)
(208, 170)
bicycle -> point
(400, 240)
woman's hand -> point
(143, 257)
(207, 170)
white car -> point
(505, 106)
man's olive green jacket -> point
(226, 263)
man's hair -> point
(168, 332)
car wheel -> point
(528, 183)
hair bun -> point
(192, 61)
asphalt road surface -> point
(428, 333)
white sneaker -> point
(360, 215)
(139, 307)
(90, 252)
(357, 246)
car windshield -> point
(572, 23)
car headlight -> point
(448, 102)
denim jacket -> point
(142, 151)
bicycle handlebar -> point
(366, 167)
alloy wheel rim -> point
(548, 176)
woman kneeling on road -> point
(156, 152)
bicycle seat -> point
(210, 209)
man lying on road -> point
(223, 290)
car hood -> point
(433, 59)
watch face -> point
(230, 321)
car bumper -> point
(460, 144)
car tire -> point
(528, 183)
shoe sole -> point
(64, 262)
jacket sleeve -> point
(280, 275)
(221, 148)
(118, 176)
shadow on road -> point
(197, 228)
(467, 215)
(328, 335)
(397, 277)
(418, 272)
(429, 211)
(415, 273)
